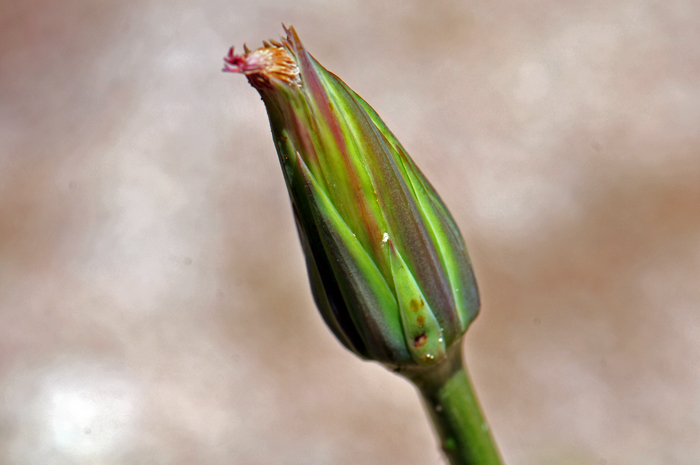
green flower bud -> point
(388, 267)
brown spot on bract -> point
(414, 305)
(420, 321)
(420, 341)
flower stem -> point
(450, 400)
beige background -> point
(154, 307)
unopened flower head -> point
(388, 267)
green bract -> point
(388, 267)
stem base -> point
(454, 409)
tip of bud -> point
(274, 61)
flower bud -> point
(388, 267)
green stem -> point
(447, 391)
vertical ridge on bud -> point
(380, 325)
(451, 247)
(400, 210)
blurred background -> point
(154, 305)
